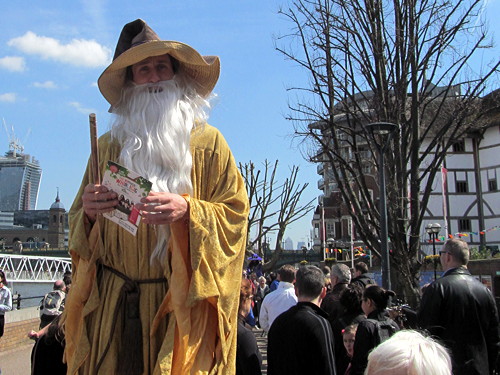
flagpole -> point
(444, 192)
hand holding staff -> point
(97, 199)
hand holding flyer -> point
(130, 188)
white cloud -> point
(8, 97)
(45, 85)
(13, 63)
(81, 109)
(79, 52)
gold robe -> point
(189, 325)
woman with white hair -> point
(261, 291)
(409, 352)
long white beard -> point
(153, 125)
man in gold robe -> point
(164, 301)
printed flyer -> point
(130, 188)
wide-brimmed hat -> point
(137, 42)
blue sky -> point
(52, 52)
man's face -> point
(152, 70)
(334, 280)
(444, 257)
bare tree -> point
(273, 206)
(405, 62)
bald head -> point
(59, 285)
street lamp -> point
(330, 242)
(383, 131)
(304, 251)
(433, 231)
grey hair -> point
(458, 250)
(342, 272)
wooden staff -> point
(94, 153)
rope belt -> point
(130, 359)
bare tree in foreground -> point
(406, 62)
(273, 206)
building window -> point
(492, 185)
(366, 168)
(330, 229)
(464, 225)
(459, 146)
(461, 187)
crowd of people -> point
(343, 325)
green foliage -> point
(480, 253)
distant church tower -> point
(57, 216)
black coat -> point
(462, 313)
(342, 359)
(300, 342)
(331, 303)
(248, 357)
(363, 280)
(367, 339)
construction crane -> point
(15, 144)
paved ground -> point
(16, 361)
(262, 344)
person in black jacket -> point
(261, 291)
(350, 299)
(361, 275)
(47, 353)
(462, 313)
(248, 357)
(340, 276)
(300, 340)
(368, 334)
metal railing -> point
(17, 299)
(24, 268)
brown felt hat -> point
(137, 42)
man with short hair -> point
(52, 304)
(340, 276)
(300, 340)
(280, 300)
(461, 311)
(361, 275)
(162, 301)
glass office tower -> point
(20, 177)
